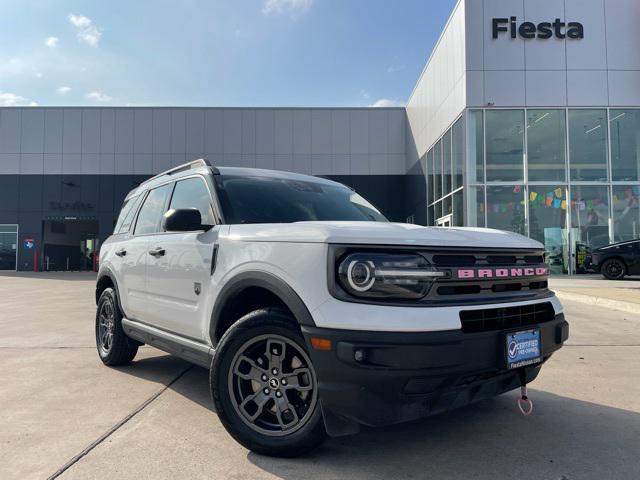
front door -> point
(179, 265)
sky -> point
(245, 53)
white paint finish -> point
(504, 88)
(283, 131)
(359, 131)
(624, 87)
(474, 81)
(341, 164)
(90, 130)
(587, 88)
(321, 164)
(213, 131)
(232, 127)
(90, 164)
(142, 163)
(266, 161)
(302, 131)
(195, 132)
(143, 131)
(546, 88)
(546, 54)
(474, 25)
(248, 131)
(10, 127)
(321, 131)
(10, 163)
(123, 163)
(53, 122)
(265, 132)
(359, 164)
(623, 35)
(71, 163)
(124, 130)
(52, 163)
(32, 163)
(340, 132)
(178, 131)
(378, 131)
(504, 52)
(107, 163)
(32, 140)
(71, 133)
(590, 52)
(107, 130)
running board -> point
(185, 348)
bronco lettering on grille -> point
(512, 272)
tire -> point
(613, 269)
(287, 418)
(114, 347)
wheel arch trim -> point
(107, 272)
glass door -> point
(8, 247)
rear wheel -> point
(614, 269)
(265, 388)
(114, 347)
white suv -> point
(313, 313)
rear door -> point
(178, 275)
(134, 262)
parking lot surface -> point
(64, 414)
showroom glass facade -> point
(569, 178)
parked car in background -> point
(616, 260)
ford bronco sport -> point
(312, 312)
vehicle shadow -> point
(565, 438)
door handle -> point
(157, 252)
(121, 253)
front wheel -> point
(265, 388)
(114, 347)
(614, 269)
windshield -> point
(280, 200)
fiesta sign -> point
(512, 272)
(543, 30)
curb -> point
(628, 307)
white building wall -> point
(602, 69)
(439, 95)
(145, 141)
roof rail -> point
(200, 162)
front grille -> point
(492, 319)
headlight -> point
(386, 275)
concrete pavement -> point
(60, 407)
(621, 295)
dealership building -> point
(526, 118)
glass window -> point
(625, 144)
(264, 199)
(458, 209)
(193, 193)
(546, 138)
(505, 145)
(446, 163)
(437, 169)
(476, 207)
(476, 147)
(590, 215)
(127, 214)
(446, 206)
(457, 152)
(152, 210)
(505, 208)
(626, 212)
(8, 246)
(547, 222)
(588, 145)
(430, 175)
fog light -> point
(359, 355)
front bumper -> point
(405, 376)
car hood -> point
(380, 233)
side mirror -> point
(182, 220)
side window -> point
(126, 217)
(124, 211)
(193, 193)
(152, 210)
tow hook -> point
(525, 405)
